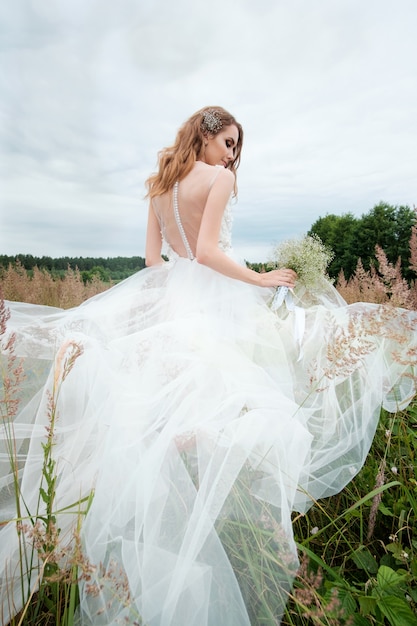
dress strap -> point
(218, 168)
(179, 223)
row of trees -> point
(353, 238)
(349, 237)
(107, 270)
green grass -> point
(363, 542)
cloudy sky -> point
(91, 89)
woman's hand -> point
(278, 278)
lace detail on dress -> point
(225, 236)
(168, 251)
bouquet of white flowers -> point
(308, 257)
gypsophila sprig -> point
(308, 256)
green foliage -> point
(98, 271)
(108, 270)
(390, 228)
(339, 233)
(387, 598)
(363, 540)
(352, 238)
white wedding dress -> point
(195, 411)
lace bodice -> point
(225, 237)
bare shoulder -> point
(215, 176)
(224, 177)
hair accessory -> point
(212, 122)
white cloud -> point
(91, 90)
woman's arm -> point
(153, 240)
(208, 251)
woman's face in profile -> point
(221, 148)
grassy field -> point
(358, 549)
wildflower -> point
(394, 470)
(388, 434)
(65, 359)
(310, 582)
(314, 530)
(307, 595)
(14, 375)
(392, 538)
(404, 555)
(345, 349)
(380, 480)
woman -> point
(199, 416)
(210, 138)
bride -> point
(191, 408)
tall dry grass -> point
(384, 282)
(40, 287)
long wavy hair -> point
(175, 162)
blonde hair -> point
(175, 162)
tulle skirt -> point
(183, 413)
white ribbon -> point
(283, 294)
